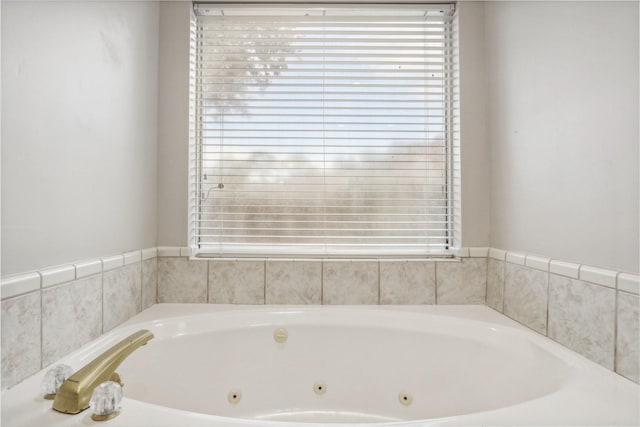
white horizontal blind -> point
(322, 130)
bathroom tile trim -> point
(19, 284)
(88, 268)
(149, 253)
(112, 262)
(598, 276)
(31, 281)
(612, 279)
(562, 268)
(22, 284)
(58, 275)
(497, 254)
(478, 252)
(168, 251)
(516, 258)
(132, 257)
(629, 283)
(537, 263)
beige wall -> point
(173, 123)
(473, 134)
(563, 127)
(549, 129)
(79, 130)
(173, 132)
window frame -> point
(452, 155)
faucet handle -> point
(105, 401)
(54, 378)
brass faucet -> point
(74, 394)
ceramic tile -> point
(515, 258)
(58, 275)
(629, 283)
(495, 284)
(567, 269)
(478, 252)
(627, 341)
(22, 284)
(181, 280)
(407, 282)
(165, 251)
(539, 263)
(582, 318)
(236, 282)
(149, 282)
(598, 276)
(21, 338)
(293, 282)
(149, 253)
(122, 289)
(350, 282)
(463, 282)
(112, 262)
(525, 296)
(71, 317)
(185, 251)
(88, 268)
(132, 257)
(497, 254)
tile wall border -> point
(45, 279)
(41, 285)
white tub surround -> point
(367, 359)
(47, 314)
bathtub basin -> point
(435, 365)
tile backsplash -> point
(48, 314)
(591, 311)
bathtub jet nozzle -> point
(74, 394)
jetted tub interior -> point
(338, 366)
(289, 365)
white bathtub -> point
(404, 366)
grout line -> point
(207, 281)
(321, 282)
(157, 280)
(41, 328)
(141, 285)
(435, 283)
(486, 280)
(504, 283)
(264, 282)
(546, 326)
(615, 331)
(102, 298)
(378, 265)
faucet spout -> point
(74, 394)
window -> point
(323, 131)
